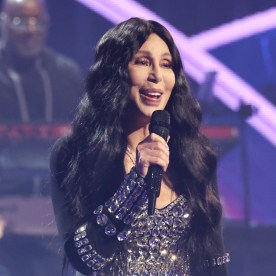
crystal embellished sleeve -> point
(90, 242)
(93, 244)
(86, 246)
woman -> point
(98, 172)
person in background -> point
(99, 172)
(37, 84)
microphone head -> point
(160, 123)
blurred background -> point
(229, 53)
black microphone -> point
(160, 125)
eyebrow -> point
(149, 53)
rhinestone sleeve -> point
(123, 207)
(86, 251)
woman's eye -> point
(142, 62)
(167, 64)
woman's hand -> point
(153, 150)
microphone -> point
(160, 125)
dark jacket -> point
(44, 89)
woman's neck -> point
(135, 136)
(136, 130)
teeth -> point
(154, 94)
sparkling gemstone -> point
(81, 229)
(99, 210)
(128, 219)
(112, 207)
(155, 232)
(143, 248)
(168, 220)
(173, 232)
(173, 257)
(137, 192)
(85, 241)
(110, 230)
(97, 266)
(186, 215)
(150, 224)
(133, 174)
(80, 236)
(163, 252)
(98, 259)
(84, 249)
(90, 263)
(142, 221)
(130, 185)
(88, 248)
(154, 242)
(142, 242)
(81, 251)
(122, 187)
(102, 219)
(157, 219)
(140, 181)
(80, 243)
(178, 211)
(177, 222)
(135, 222)
(123, 235)
(149, 266)
(144, 228)
(86, 257)
(154, 251)
(120, 199)
(147, 233)
(163, 232)
(121, 213)
(167, 240)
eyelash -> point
(144, 61)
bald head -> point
(24, 26)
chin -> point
(148, 113)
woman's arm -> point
(67, 222)
(90, 242)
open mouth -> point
(152, 94)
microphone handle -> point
(154, 178)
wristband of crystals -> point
(86, 252)
(218, 261)
(122, 209)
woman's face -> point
(152, 77)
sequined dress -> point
(156, 245)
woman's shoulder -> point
(61, 153)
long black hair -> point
(99, 142)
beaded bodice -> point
(156, 243)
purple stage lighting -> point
(229, 88)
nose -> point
(155, 74)
(30, 29)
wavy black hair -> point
(99, 142)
